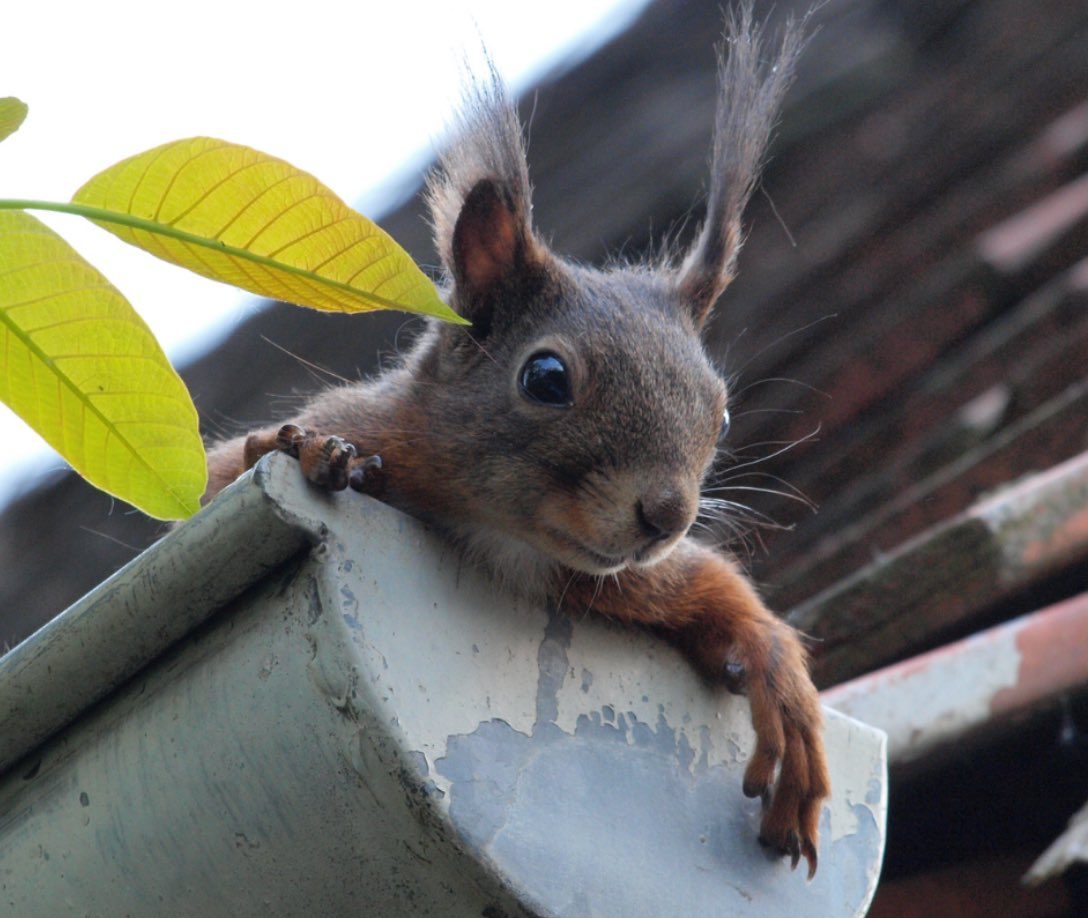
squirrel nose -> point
(663, 515)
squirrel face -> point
(624, 412)
(581, 402)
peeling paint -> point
(1053, 649)
(860, 797)
(669, 687)
(616, 796)
(587, 680)
(632, 802)
(552, 666)
(625, 792)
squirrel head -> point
(580, 413)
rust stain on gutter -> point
(1053, 650)
(931, 701)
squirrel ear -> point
(752, 80)
(709, 268)
(490, 243)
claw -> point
(289, 438)
(735, 677)
(791, 848)
(758, 786)
(336, 449)
(359, 474)
(808, 851)
(358, 479)
(338, 453)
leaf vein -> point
(274, 253)
(253, 202)
(211, 189)
(176, 174)
(276, 218)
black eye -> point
(726, 421)
(545, 379)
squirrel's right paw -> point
(788, 725)
(325, 460)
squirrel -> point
(561, 440)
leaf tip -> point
(13, 113)
(454, 318)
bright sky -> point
(356, 92)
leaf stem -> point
(101, 215)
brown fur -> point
(583, 494)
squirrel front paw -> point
(787, 721)
(328, 461)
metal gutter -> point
(132, 617)
(369, 726)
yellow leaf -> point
(12, 114)
(82, 368)
(239, 216)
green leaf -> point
(12, 114)
(82, 368)
(245, 218)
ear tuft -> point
(752, 81)
(479, 199)
(486, 146)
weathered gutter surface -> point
(304, 704)
(139, 612)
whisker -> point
(483, 350)
(729, 349)
(749, 411)
(780, 379)
(743, 511)
(723, 485)
(806, 438)
(761, 443)
(777, 341)
(135, 549)
(799, 498)
(563, 592)
(778, 217)
(736, 524)
(728, 530)
(317, 371)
